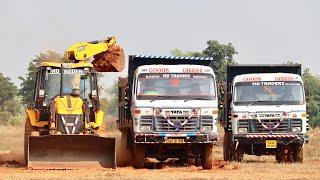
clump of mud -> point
(110, 61)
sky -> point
(263, 32)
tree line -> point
(13, 99)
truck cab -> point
(267, 113)
(173, 110)
(172, 99)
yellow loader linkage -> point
(108, 56)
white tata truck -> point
(264, 112)
(168, 108)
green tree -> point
(222, 55)
(28, 80)
(8, 90)
(312, 86)
(10, 107)
(112, 102)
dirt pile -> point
(110, 61)
(11, 159)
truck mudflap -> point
(175, 138)
(71, 152)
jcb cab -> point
(63, 127)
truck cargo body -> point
(169, 107)
(264, 112)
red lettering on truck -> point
(192, 70)
(252, 78)
(158, 70)
(284, 78)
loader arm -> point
(83, 50)
(107, 55)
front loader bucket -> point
(111, 60)
(71, 152)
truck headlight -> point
(206, 128)
(296, 129)
(145, 128)
(243, 130)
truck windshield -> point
(72, 79)
(269, 93)
(176, 86)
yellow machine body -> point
(65, 133)
(83, 50)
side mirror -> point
(127, 93)
(94, 93)
(308, 99)
(41, 93)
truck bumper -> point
(190, 137)
(284, 139)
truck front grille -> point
(146, 120)
(162, 124)
(206, 120)
(254, 126)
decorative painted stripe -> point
(174, 57)
(167, 134)
(182, 143)
(271, 136)
(268, 111)
(171, 107)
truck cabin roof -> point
(138, 60)
(234, 70)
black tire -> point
(282, 156)
(206, 157)
(123, 150)
(298, 154)
(278, 157)
(237, 154)
(139, 156)
(227, 155)
(27, 133)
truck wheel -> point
(27, 133)
(227, 146)
(123, 150)
(277, 155)
(237, 154)
(283, 155)
(206, 158)
(139, 156)
(298, 154)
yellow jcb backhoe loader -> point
(63, 128)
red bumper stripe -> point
(271, 136)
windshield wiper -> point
(259, 101)
(159, 98)
(197, 98)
